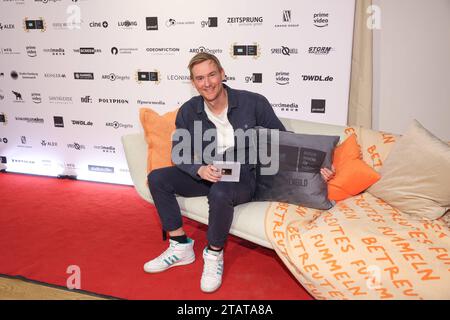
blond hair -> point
(201, 57)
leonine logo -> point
(153, 76)
(38, 24)
(252, 50)
(318, 105)
(255, 78)
(83, 75)
(88, 50)
(320, 50)
(151, 23)
(321, 20)
(211, 23)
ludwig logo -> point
(151, 76)
(83, 75)
(38, 24)
(318, 105)
(127, 24)
(151, 23)
(245, 50)
(321, 20)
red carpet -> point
(109, 232)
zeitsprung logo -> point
(38, 24)
(245, 21)
(238, 50)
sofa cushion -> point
(415, 176)
(362, 248)
(298, 180)
(158, 131)
(353, 175)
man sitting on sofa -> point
(226, 110)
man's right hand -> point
(209, 173)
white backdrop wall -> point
(72, 73)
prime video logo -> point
(252, 146)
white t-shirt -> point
(225, 132)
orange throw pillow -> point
(353, 175)
(158, 131)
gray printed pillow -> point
(298, 181)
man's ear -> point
(222, 73)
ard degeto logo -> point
(255, 78)
(117, 125)
(83, 75)
(318, 105)
(321, 19)
(58, 121)
(151, 23)
(211, 23)
(239, 50)
(38, 24)
(205, 49)
(150, 76)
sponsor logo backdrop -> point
(74, 73)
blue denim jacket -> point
(246, 110)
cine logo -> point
(74, 280)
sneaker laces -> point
(213, 266)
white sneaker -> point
(178, 254)
(212, 270)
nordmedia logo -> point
(239, 50)
(151, 76)
(38, 24)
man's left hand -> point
(327, 174)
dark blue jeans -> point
(165, 183)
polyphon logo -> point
(37, 24)
(148, 76)
(239, 50)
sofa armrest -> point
(135, 148)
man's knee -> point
(221, 192)
(156, 178)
